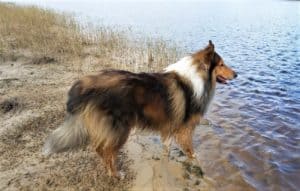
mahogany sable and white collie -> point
(104, 108)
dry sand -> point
(32, 97)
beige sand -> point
(32, 98)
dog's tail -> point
(70, 134)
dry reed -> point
(46, 33)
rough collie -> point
(104, 108)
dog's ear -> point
(209, 50)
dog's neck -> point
(186, 69)
(200, 82)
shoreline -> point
(155, 171)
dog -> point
(102, 109)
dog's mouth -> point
(221, 79)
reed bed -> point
(58, 36)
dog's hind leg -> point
(100, 152)
(110, 154)
(184, 137)
(109, 159)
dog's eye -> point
(222, 64)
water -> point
(255, 138)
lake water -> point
(254, 141)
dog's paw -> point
(121, 175)
(118, 175)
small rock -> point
(186, 176)
(204, 122)
(43, 60)
(9, 105)
(197, 170)
(197, 182)
(187, 166)
(49, 182)
(180, 153)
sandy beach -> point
(33, 104)
(37, 67)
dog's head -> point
(210, 61)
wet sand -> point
(155, 171)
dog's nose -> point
(235, 75)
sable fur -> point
(105, 107)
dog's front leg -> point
(167, 141)
(184, 137)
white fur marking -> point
(185, 68)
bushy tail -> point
(70, 134)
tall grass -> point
(57, 35)
(39, 30)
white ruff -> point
(185, 68)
